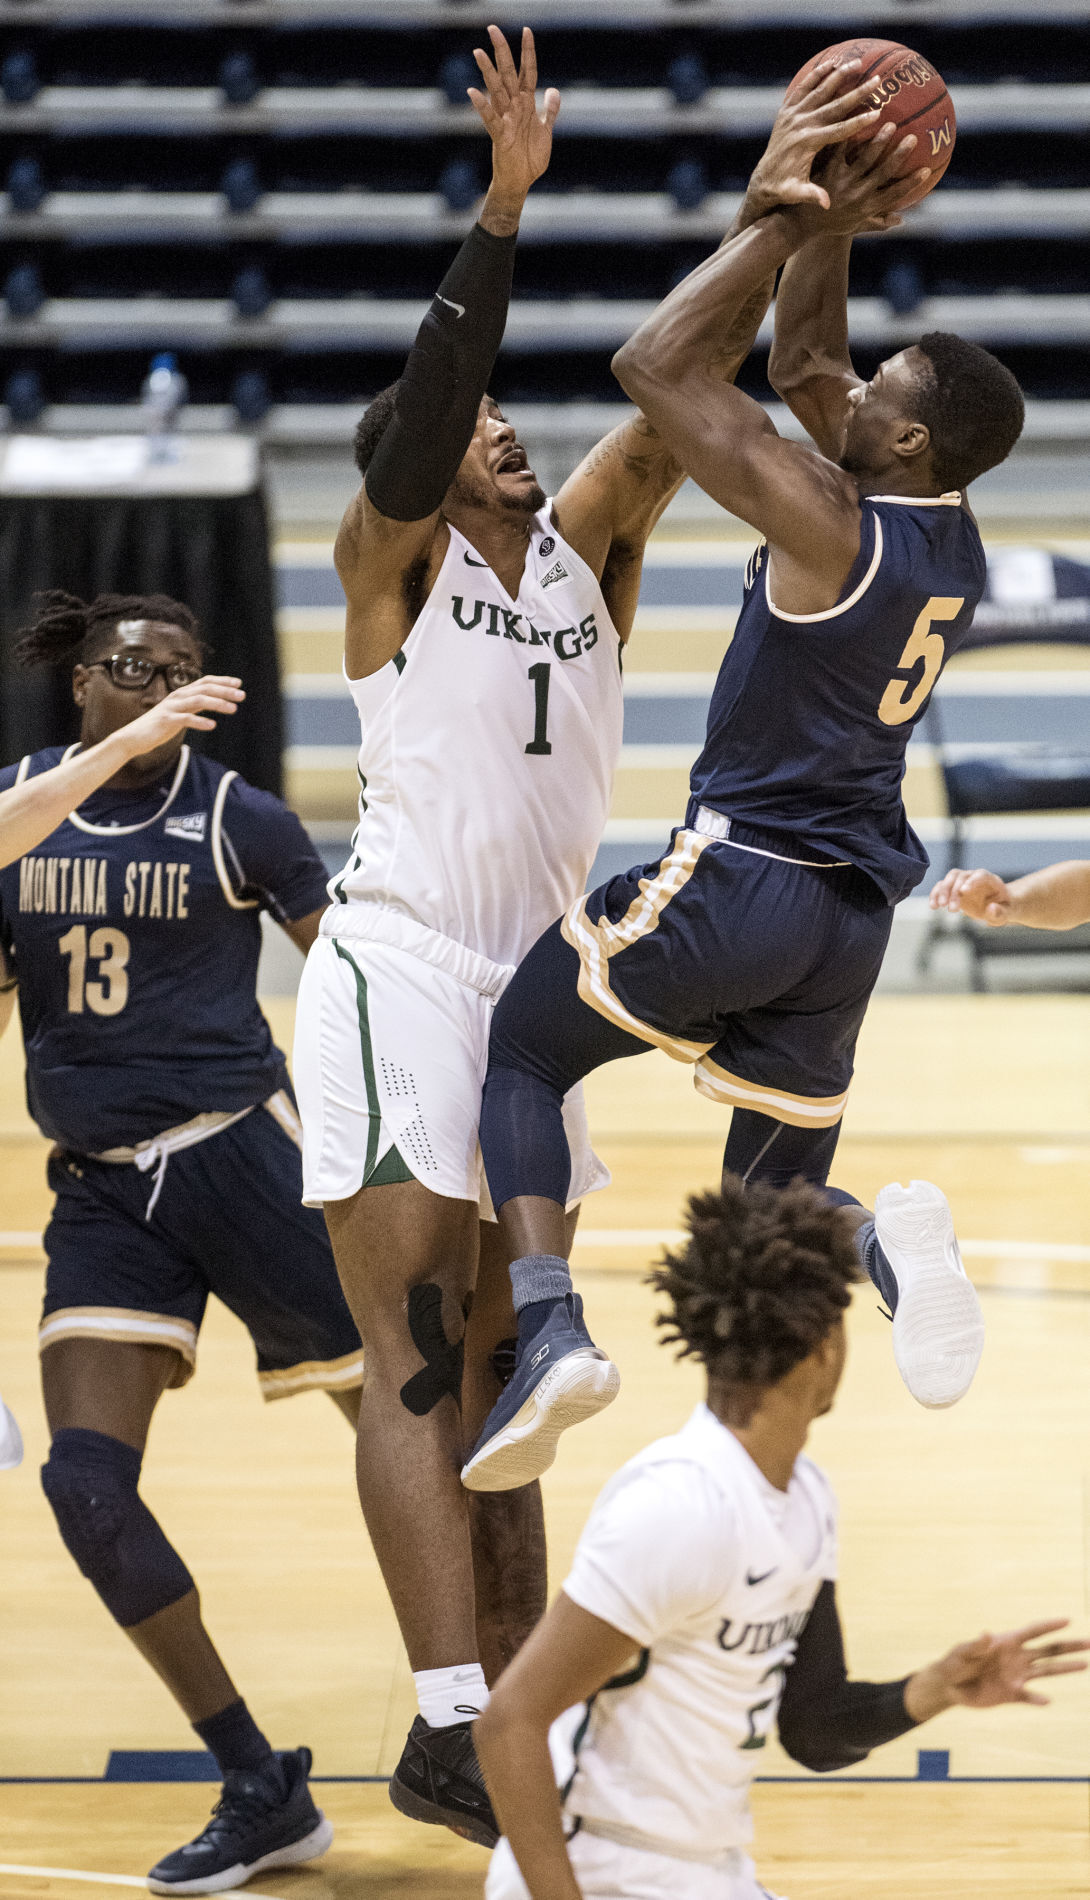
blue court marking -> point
(187, 1764)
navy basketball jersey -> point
(812, 713)
(134, 932)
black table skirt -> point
(210, 552)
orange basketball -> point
(911, 94)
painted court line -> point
(1057, 1250)
(104, 1880)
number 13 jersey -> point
(488, 751)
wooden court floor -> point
(979, 1518)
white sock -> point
(453, 1695)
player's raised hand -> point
(997, 1669)
(186, 709)
(521, 134)
(821, 113)
(867, 187)
(978, 894)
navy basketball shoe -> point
(264, 1818)
(439, 1780)
(938, 1325)
(560, 1378)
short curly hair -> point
(972, 405)
(763, 1278)
(373, 424)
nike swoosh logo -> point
(459, 309)
(765, 1574)
(470, 562)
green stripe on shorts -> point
(374, 1113)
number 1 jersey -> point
(812, 713)
(488, 750)
(134, 932)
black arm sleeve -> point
(825, 1721)
(443, 381)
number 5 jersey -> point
(812, 713)
(134, 933)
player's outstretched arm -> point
(390, 532)
(805, 506)
(29, 812)
(827, 1721)
(566, 1660)
(1055, 898)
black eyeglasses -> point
(131, 671)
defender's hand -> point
(522, 137)
(183, 710)
(997, 1669)
(978, 894)
(820, 115)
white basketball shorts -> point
(606, 1870)
(391, 1048)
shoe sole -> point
(416, 1808)
(579, 1385)
(938, 1325)
(309, 1848)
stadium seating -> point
(271, 189)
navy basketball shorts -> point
(751, 961)
(228, 1220)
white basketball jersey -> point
(713, 1573)
(488, 750)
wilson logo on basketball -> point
(911, 72)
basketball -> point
(910, 92)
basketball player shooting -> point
(751, 947)
(700, 1612)
(482, 650)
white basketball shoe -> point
(938, 1325)
(11, 1442)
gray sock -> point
(539, 1276)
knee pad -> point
(91, 1483)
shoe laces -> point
(247, 1798)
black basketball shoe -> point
(439, 1779)
(264, 1818)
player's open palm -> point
(997, 1669)
(186, 709)
(521, 134)
(978, 894)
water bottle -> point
(162, 397)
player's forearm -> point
(1057, 898)
(28, 813)
(811, 336)
(514, 1754)
(446, 375)
(711, 319)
